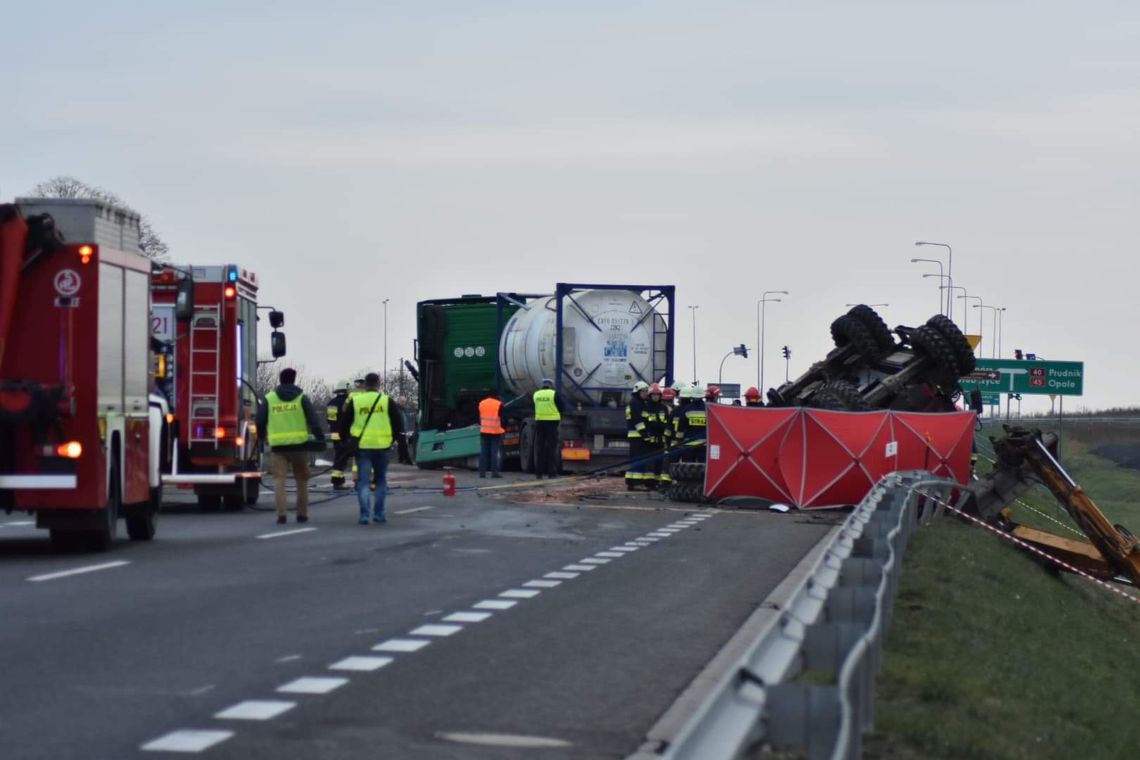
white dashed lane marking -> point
(494, 604)
(280, 533)
(520, 593)
(187, 740)
(542, 584)
(18, 524)
(78, 571)
(436, 629)
(410, 511)
(611, 555)
(401, 645)
(255, 709)
(361, 664)
(579, 568)
(559, 575)
(593, 561)
(467, 617)
(311, 685)
(623, 549)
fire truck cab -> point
(81, 435)
(207, 367)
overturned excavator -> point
(1029, 457)
(870, 369)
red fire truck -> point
(81, 436)
(210, 360)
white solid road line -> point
(409, 511)
(255, 709)
(78, 571)
(401, 645)
(311, 685)
(281, 533)
(187, 740)
(361, 664)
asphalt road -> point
(468, 627)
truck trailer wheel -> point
(840, 395)
(875, 325)
(526, 448)
(928, 341)
(961, 347)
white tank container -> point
(610, 341)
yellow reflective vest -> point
(378, 433)
(286, 420)
(544, 406)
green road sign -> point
(991, 399)
(1012, 376)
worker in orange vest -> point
(490, 434)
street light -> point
(1000, 313)
(941, 273)
(949, 267)
(965, 321)
(741, 350)
(981, 322)
(384, 374)
(693, 309)
(761, 309)
(993, 345)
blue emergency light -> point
(232, 275)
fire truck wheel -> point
(100, 539)
(875, 324)
(251, 490)
(962, 351)
(141, 524)
(847, 330)
(208, 502)
(233, 502)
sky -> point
(354, 152)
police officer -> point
(637, 426)
(547, 418)
(375, 421)
(290, 422)
(341, 451)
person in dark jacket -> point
(547, 418)
(288, 423)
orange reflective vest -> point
(489, 421)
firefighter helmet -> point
(712, 393)
(640, 386)
(655, 390)
(668, 394)
(752, 394)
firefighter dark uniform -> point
(341, 455)
(658, 436)
(690, 428)
(636, 425)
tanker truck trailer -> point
(593, 341)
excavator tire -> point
(840, 396)
(962, 351)
(687, 471)
(929, 342)
(849, 331)
(873, 322)
(692, 493)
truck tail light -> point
(70, 450)
(85, 253)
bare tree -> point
(317, 389)
(150, 241)
(399, 385)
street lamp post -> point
(1000, 316)
(981, 322)
(941, 273)
(384, 373)
(761, 309)
(993, 344)
(949, 268)
(693, 309)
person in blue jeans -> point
(490, 434)
(374, 420)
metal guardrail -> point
(807, 684)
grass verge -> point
(990, 656)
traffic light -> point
(787, 353)
(1017, 354)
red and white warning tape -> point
(1033, 549)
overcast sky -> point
(351, 152)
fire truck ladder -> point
(205, 352)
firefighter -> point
(752, 397)
(636, 478)
(658, 435)
(341, 451)
(290, 423)
(692, 423)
